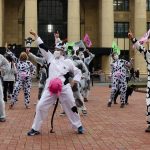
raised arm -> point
(136, 43)
(87, 60)
(39, 60)
(44, 50)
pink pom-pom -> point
(55, 86)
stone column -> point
(1, 23)
(73, 20)
(30, 16)
(106, 29)
(139, 30)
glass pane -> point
(126, 5)
(115, 5)
(121, 5)
(121, 29)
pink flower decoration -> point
(55, 86)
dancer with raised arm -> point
(146, 55)
(59, 70)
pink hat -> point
(55, 86)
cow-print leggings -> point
(121, 85)
(26, 85)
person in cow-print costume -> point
(86, 57)
(25, 70)
(146, 55)
(118, 73)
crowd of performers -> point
(64, 78)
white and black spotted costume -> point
(87, 61)
(79, 87)
(119, 82)
(25, 70)
(146, 55)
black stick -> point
(52, 119)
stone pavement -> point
(105, 128)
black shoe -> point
(122, 105)
(32, 132)
(85, 100)
(11, 105)
(80, 130)
(115, 103)
(147, 129)
(2, 120)
(109, 104)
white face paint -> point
(116, 57)
(57, 54)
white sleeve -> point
(45, 52)
(39, 60)
(139, 47)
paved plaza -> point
(106, 128)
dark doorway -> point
(52, 17)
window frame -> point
(125, 28)
(125, 5)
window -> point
(121, 5)
(50, 28)
(121, 29)
(148, 5)
(52, 17)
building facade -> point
(105, 21)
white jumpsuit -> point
(3, 64)
(58, 68)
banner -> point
(115, 48)
(87, 40)
(80, 44)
